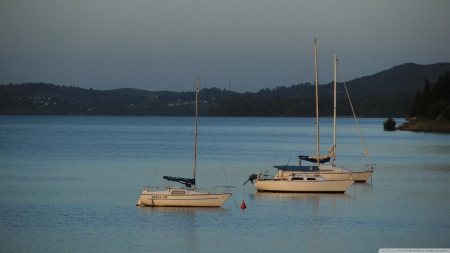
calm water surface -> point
(70, 184)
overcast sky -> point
(246, 45)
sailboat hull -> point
(358, 176)
(186, 199)
(332, 173)
(340, 173)
(301, 186)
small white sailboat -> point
(187, 196)
(302, 178)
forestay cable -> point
(354, 115)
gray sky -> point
(252, 45)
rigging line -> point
(291, 114)
(215, 144)
(298, 90)
(158, 167)
(311, 109)
(167, 152)
(170, 147)
(351, 163)
(354, 115)
(234, 201)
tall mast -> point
(196, 123)
(334, 140)
(317, 104)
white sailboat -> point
(337, 173)
(331, 172)
(187, 196)
(302, 178)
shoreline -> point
(434, 126)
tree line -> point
(295, 101)
(433, 102)
(392, 105)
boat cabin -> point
(304, 177)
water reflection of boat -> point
(299, 196)
(187, 196)
(302, 178)
(181, 210)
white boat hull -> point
(358, 176)
(190, 198)
(338, 174)
(303, 186)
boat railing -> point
(369, 167)
(262, 176)
(222, 189)
(146, 188)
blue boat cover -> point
(313, 159)
(297, 168)
(188, 182)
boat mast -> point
(317, 104)
(196, 123)
(334, 140)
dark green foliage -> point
(387, 94)
(436, 108)
(433, 100)
(446, 114)
(389, 124)
(395, 105)
(61, 100)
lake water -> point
(70, 184)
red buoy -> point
(243, 206)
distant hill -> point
(385, 94)
(406, 78)
(50, 99)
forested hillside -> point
(434, 100)
(50, 99)
(389, 93)
(430, 110)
